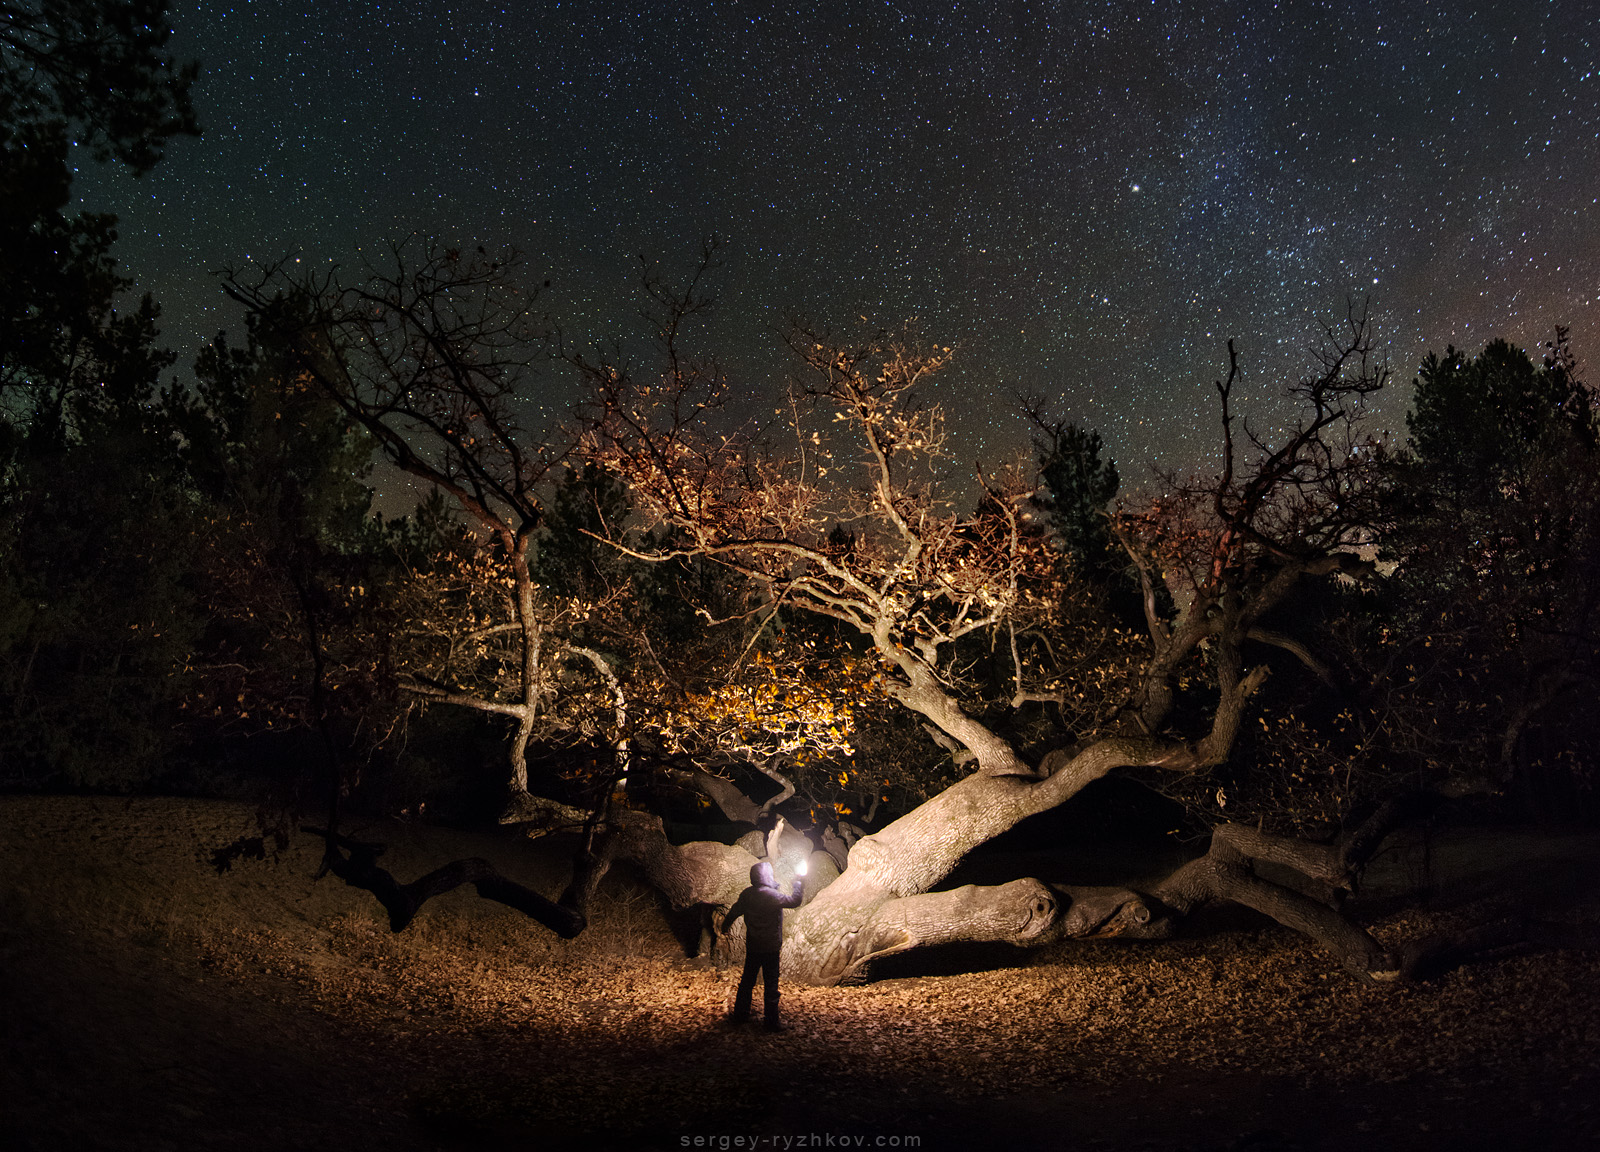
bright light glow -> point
(800, 868)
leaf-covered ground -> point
(148, 1003)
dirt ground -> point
(148, 1003)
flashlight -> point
(800, 868)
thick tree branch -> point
(359, 869)
(1297, 649)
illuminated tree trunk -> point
(880, 904)
(864, 915)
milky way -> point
(1087, 200)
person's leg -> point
(747, 987)
(769, 973)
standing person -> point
(762, 906)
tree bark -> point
(830, 949)
(1217, 877)
(833, 934)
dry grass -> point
(156, 1004)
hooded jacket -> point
(762, 906)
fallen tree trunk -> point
(863, 916)
(838, 933)
(359, 869)
(858, 918)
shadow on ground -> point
(150, 1004)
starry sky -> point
(1086, 198)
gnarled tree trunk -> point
(882, 904)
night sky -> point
(1087, 199)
